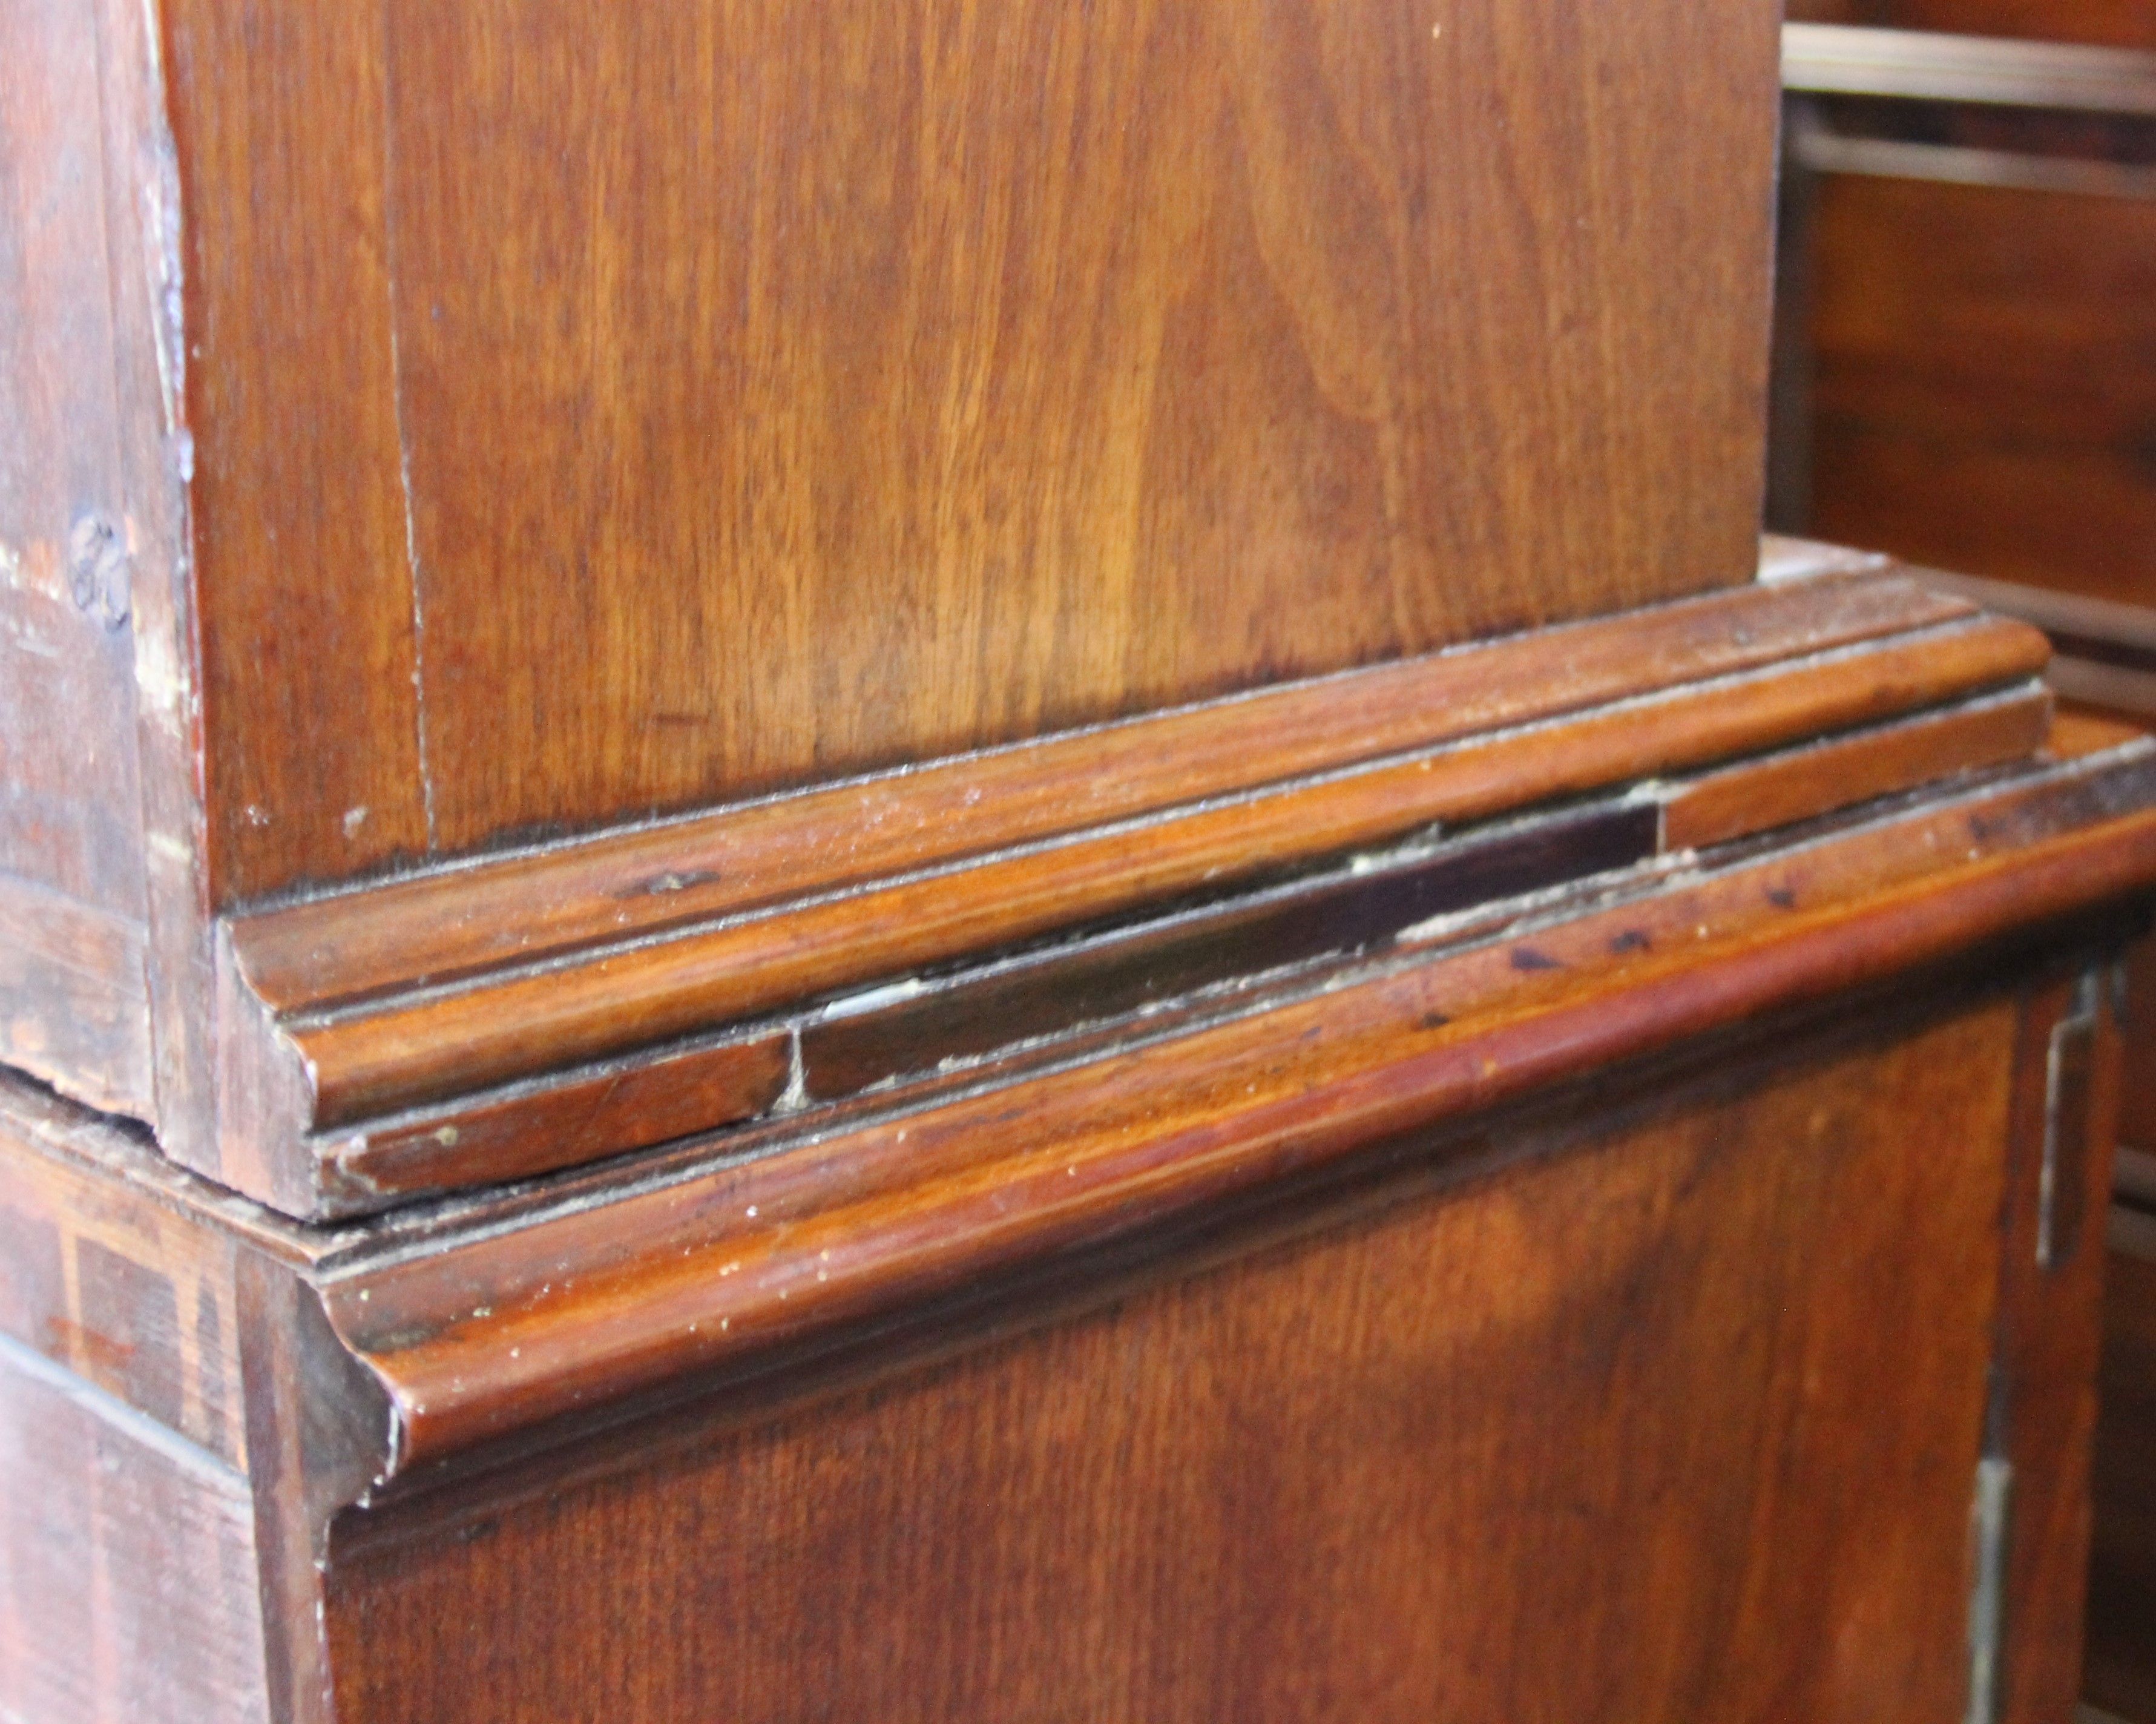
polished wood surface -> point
(673, 405)
(968, 875)
(580, 1303)
(454, 1382)
(1989, 343)
(341, 1090)
(444, 925)
(1313, 1485)
(855, 401)
(1797, 783)
(1964, 375)
(1963, 369)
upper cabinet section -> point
(599, 409)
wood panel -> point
(1679, 1419)
(399, 1052)
(2041, 1421)
(72, 1005)
(2115, 23)
(127, 1582)
(600, 413)
(69, 800)
(1985, 372)
(446, 924)
(115, 1267)
(309, 729)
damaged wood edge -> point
(435, 1043)
(437, 926)
(1150, 971)
(1759, 795)
(145, 238)
(1478, 880)
(72, 1009)
(568, 1309)
(669, 1079)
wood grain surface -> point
(408, 1051)
(440, 925)
(2043, 1409)
(118, 1269)
(127, 1582)
(1675, 1417)
(1983, 378)
(71, 852)
(72, 1006)
(1759, 795)
(348, 1095)
(631, 411)
(577, 1305)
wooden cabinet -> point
(965, 862)
(1965, 378)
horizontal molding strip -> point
(1932, 65)
(441, 923)
(381, 1057)
(1957, 165)
(1139, 976)
(608, 1298)
(351, 1094)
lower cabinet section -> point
(1676, 1414)
(1686, 1309)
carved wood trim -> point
(559, 1307)
(550, 1009)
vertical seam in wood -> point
(403, 434)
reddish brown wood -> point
(2042, 1419)
(439, 925)
(2120, 23)
(156, 458)
(922, 472)
(71, 862)
(339, 1069)
(2121, 1670)
(1146, 977)
(1759, 795)
(127, 1585)
(118, 1269)
(2137, 1115)
(1136, 974)
(581, 1303)
(550, 1321)
(1983, 375)
(323, 1111)
(291, 400)
(71, 1000)
(1021, 372)
(633, 1104)
(1315, 1483)
(521, 426)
